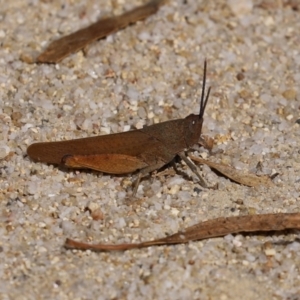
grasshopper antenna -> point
(204, 102)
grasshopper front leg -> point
(193, 167)
(143, 172)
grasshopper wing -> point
(130, 143)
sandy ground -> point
(148, 73)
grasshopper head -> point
(193, 123)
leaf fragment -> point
(248, 179)
(62, 47)
(208, 229)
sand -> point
(148, 73)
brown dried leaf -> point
(249, 179)
(207, 142)
(208, 229)
(60, 48)
(8, 156)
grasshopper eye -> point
(192, 125)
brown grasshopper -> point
(144, 150)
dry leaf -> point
(208, 229)
(59, 49)
(249, 179)
(207, 142)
